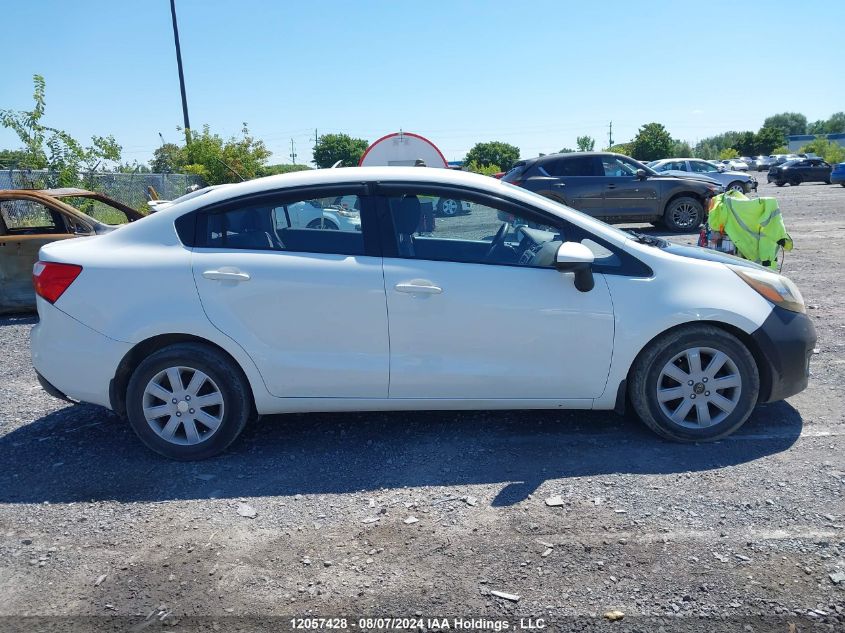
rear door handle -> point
(611, 186)
(226, 274)
(560, 185)
(418, 288)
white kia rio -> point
(223, 307)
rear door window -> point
(570, 167)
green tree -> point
(493, 153)
(783, 149)
(585, 143)
(218, 161)
(331, 148)
(729, 152)
(12, 158)
(486, 170)
(167, 159)
(746, 144)
(828, 150)
(651, 142)
(565, 150)
(273, 170)
(788, 123)
(768, 138)
(680, 149)
(620, 148)
(52, 148)
(834, 125)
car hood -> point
(686, 175)
(707, 254)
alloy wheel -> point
(449, 207)
(685, 215)
(699, 387)
(183, 405)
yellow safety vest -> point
(754, 225)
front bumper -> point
(786, 341)
(837, 179)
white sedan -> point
(223, 307)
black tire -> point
(683, 214)
(779, 183)
(736, 185)
(322, 223)
(642, 382)
(236, 396)
(795, 181)
(448, 207)
(827, 182)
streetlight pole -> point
(181, 74)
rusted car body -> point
(30, 218)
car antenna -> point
(226, 165)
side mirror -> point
(573, 257)
(721, 168)
(641, 174)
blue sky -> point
(533, 74)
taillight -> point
(51, 279)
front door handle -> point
(226, 274)
(418, 287)
(560, 185)
(611, 186)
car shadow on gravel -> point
(85, 453)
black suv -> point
(616, 188)
(800, 170)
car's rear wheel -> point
(795, 181)
(736, 185)
(188, 401)
(683, 214)
(448, 207)
(696, 383)
(779, 183)
(322, 223)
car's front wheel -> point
(683, 214)
(795, 181)
(695, 383)
(736, 185)
(448, 207)
(188, 401)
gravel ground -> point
(744, 534)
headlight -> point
(776, 288)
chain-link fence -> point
(131, 189)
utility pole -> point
(292, 153)
(181, 74)
(610, 135)
(316, 138)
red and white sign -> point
(403, 149)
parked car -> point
(730, 180)
(615, 188)
(800, 170)
(30, 218)
(734, 164)
(189, 326)
(780, 159)
(762, 163)
(837, 175)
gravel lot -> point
(747, 532)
